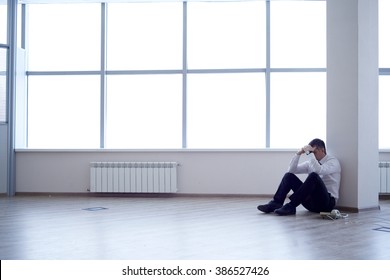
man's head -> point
(320, 150)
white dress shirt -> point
(328, 168)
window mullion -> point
(185, 69)
(103, 78)
(267, 77)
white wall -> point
(3, 158)
(352, 98)
(384, 155)
(200, 172)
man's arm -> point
(294, 166)
(331, 166)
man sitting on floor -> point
(318, 193)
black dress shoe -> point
(287, 209)
(269, 207)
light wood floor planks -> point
(58, 228)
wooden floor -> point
(119, 228)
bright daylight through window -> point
(172, 75)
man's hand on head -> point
(308, 149)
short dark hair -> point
(318, 143)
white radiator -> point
(133, 177)
(384, 184)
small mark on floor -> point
(95, 208)
(384, 229)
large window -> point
(226, 35)
(174, 75)
(144, 111)
(384, 112)
(64, 37)
(64, 111)
(298, 34)
(384, 37)
(226, 110)
(144, 36)
(290, 93)
(3, 22)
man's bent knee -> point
(313, 175)
(289, 175)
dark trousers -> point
(312, 193)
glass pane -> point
(226, 111)
(3, 84)
(64, 112)
(384, 112)
(64, 37)
(3, 23)
(19, 27)
(294, 42)
(145, 36)
(384, 33)
(144, 111)
(226, 35)
(298, 109)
